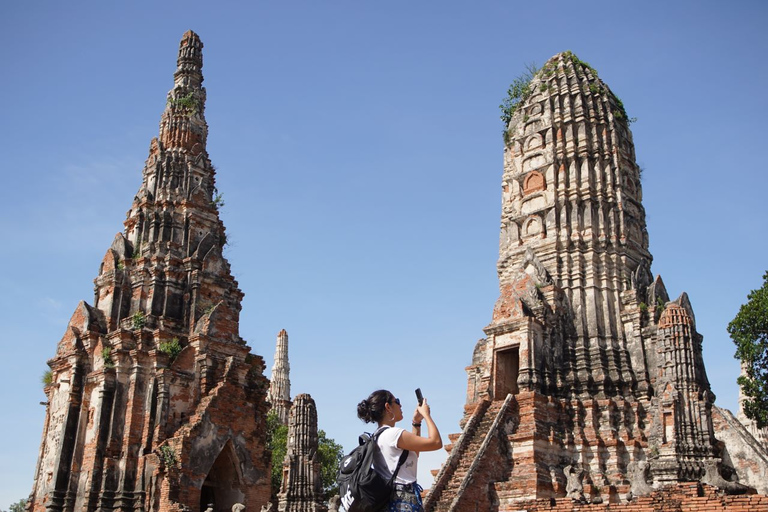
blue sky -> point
(359, 153)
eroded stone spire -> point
(589, 377)
(157, 363)
(280, 385)
(302, 487)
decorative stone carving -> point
(638, 478)
(156, 401)
(574, 489)
(605, 373)
(302, 488)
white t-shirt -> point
(389, 455)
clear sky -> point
(359, 152)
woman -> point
(383, 408)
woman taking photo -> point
(383, 408)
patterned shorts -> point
(406, 499)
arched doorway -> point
(223, 487)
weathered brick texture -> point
(156, 402)
(590, 383)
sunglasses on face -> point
(397, 401)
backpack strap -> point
(400, 461)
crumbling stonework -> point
(590, 382)
(279, 395)
(302, 487)
(156, 402)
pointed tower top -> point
(183, 124)
(189, 65)
(280, 386)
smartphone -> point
(419, 396)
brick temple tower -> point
(280, 384)
(590, 382)
(156, 402)
(302, 487)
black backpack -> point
(361, 488)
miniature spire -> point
(280, 387)
(302, 486)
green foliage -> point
(579, 64)
(47, 378)
(187, 105)
(218, 199)
(136, 252)
(171, 348)
(749, 331)
(519, 91)
(643, 307)
(329, 452)
(120, 265)
(138, 319)
(106, 355)
(168, 455)
(19, 506)
(277, 441)
(659, 305)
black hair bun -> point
(364, 411)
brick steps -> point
(469, 448)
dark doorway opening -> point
(223, 487)
(507, 369)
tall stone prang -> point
(302, 487)
(280, 384)
(156, 402)
(590, 383)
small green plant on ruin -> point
(218, 199)
(168, 456)
(579, 65)
(47, 378)
(519, 91)
(187, 105)
(136, 252)
(106, 356)
(170, 348)
(138, 319)
(120, 265)
(659, 305)
(643, 307)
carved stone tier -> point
(302, 487)
(280, 385)
(156, 403)
(590, 382)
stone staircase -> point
(466, 454)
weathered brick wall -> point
(691, 496)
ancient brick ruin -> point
(279, 395)
(590, 385)
(156, 402)
(302, 487)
